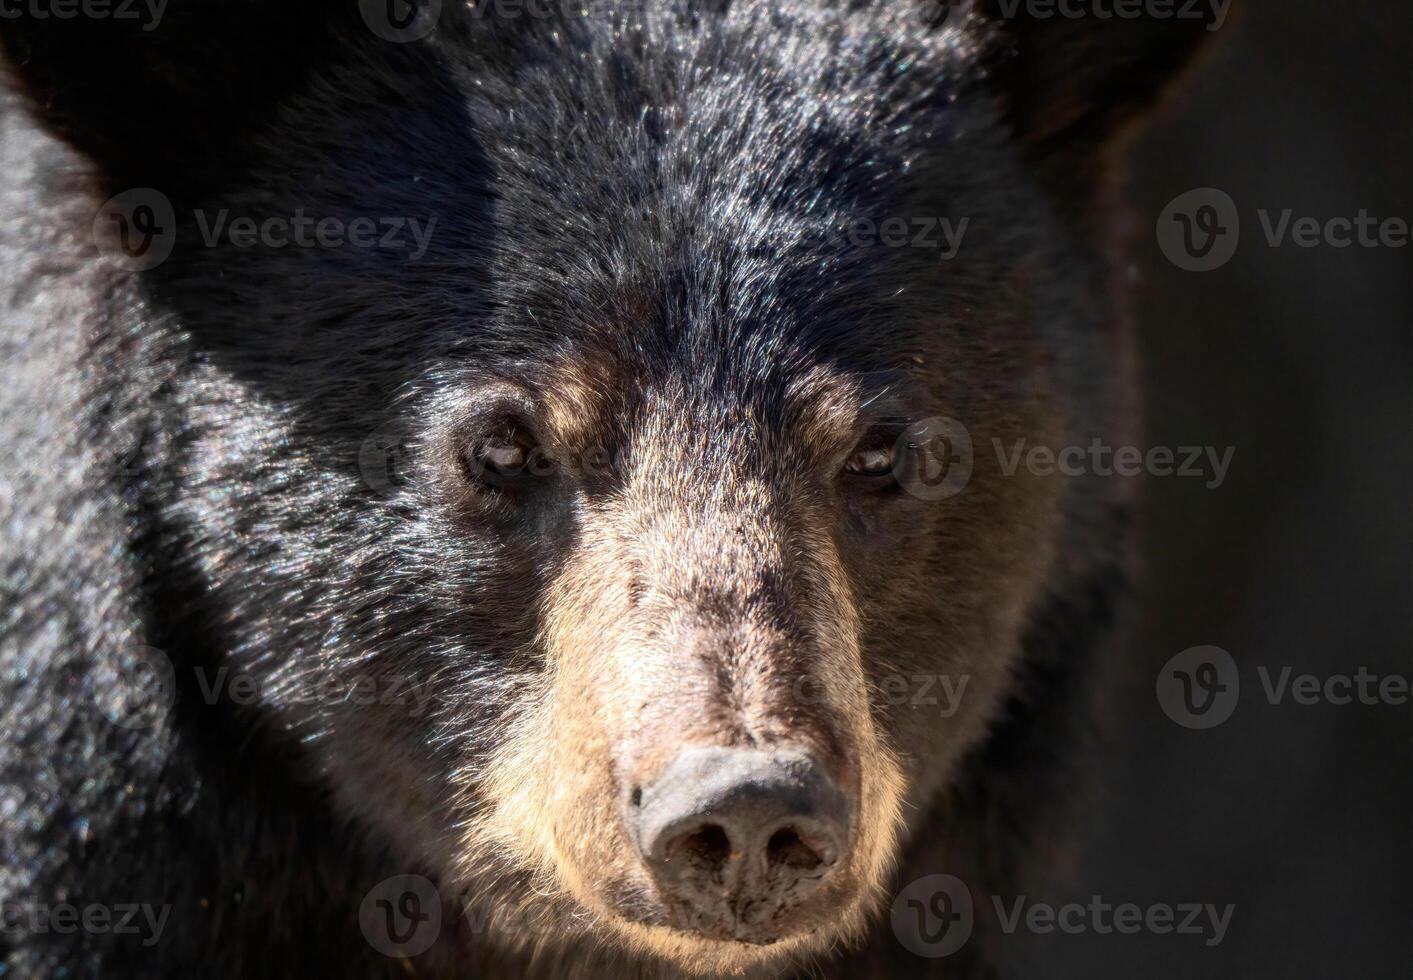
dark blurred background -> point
(1301, 358)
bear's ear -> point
(1074, 74)
(138, 82)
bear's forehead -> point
(762, 94)
(686, 345)
(684, 177)
(669, 194)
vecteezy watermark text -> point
(139, 228)
(1213, 13)
(1125, 918)
(940, 234)
(943, 692)
(1200, 229)
(1201, 687)
(1100, 459)
(95, 918)
(934, 916)
(86, 9)
(149, 680)
(303, 231)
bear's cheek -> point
(946, 591)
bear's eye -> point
(508, 452)
(506, 460)
(874, 459)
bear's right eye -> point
(507, 453)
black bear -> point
(506, 489)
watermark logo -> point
(1199, 230)
(384, 460)
(934, 13)
(934, 458)
(401, 916)
(146, 690)
(401, 21)
(137, 227)
(933, 916)
(1199, 687)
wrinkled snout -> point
(738, 840)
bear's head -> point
(648, 459)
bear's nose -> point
(738, 838)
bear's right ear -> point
(154, 83)
(1075, 74)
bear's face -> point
(686, 419)
(699, 557)
(732, 555)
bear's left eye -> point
(874, 460)
(506, 459)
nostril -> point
(637, 798)
(708, 849)
(739, 841)
(786, 848)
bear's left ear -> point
(156, 84)
(1075, 74)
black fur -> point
(182, 445)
